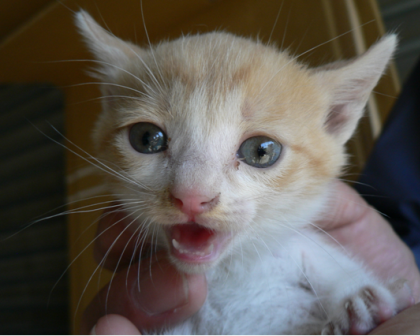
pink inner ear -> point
(347, 106)
(350, 84)
(336, 119)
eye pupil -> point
(260, 151)
(147, 138)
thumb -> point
(159, 296)
(346, 206)
(114, 325)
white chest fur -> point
(297, 289)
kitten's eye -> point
(260, 151)
(147, 138)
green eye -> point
(260, 151)
(147, 138)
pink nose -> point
(193, 203)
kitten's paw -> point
(369, 307)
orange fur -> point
(208, 94)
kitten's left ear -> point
(113, 52)
(350, 84)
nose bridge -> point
(195, 171)
(196, 162)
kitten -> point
(232, 147)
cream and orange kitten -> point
(230, 148)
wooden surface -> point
(50, 49)
(16, 13)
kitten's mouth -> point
(196, 244)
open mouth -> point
(196, 244)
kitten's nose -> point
(193, 202)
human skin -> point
(357, 226)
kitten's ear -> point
(350, 84)
(113, 52)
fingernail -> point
(162, 289)
(409, 292)
(403, 294)
(404, 288)
(93, 330)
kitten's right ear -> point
(113, 52)
(350, 83)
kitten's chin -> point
(195, 248)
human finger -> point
(405, 323)
(345, 207)
(367, 235)
(116, 242)
(159, 295)
(114, 324)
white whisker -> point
(308, 51)
(100, 264)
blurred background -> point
(43, 64)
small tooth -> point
(176, 244)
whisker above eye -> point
(105, 64)
(112, 84)
(151, 102)
(309, 50)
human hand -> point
(405, 323)
(368, 236)
(166, 296)
(357, 226)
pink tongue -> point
(191, 235)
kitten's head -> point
(221, 142)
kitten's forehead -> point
(222, 70)
(209, 127)
(217, 88)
